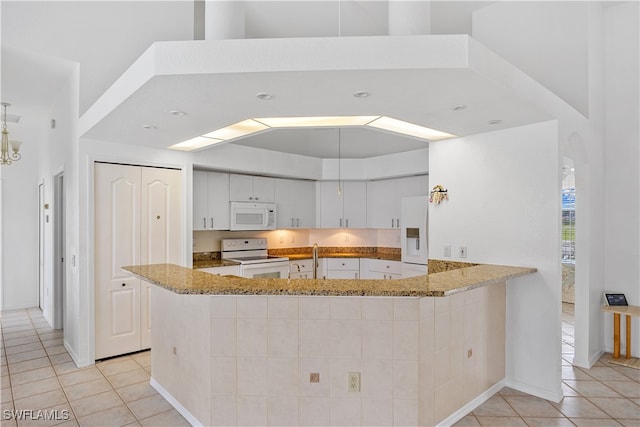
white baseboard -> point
(79, 363)
(587, 364)
(173, 402)
(554, 396)
(466, 409)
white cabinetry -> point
(210, 200)
(301, 269)
(380, 269)
(347, 209)
(342, 268)
(413, 270)
(296, 201)
(138, 220)
(227, 270)
(247, 188)
(383, 199)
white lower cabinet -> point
(380, 269)
(227, 270)
(342, 268)
(138, 220)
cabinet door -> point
(382, 204)
(117, 244)
(285, 195)
(240, 188)
(263, 189)
(200, 200)
(218, 200)
(343, 274)
(355, 204)
(161, 216)
(305, 204)
(296, 203)
(330, 205)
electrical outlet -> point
(447, 251)
(353, 382)
(463, 252)
(314, 377)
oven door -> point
(267, 270)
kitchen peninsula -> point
(416, 351)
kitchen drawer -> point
(343, 274)
(343, 264)
(384, 266)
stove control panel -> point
(243, 244)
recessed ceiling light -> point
(494, 122)
(152, 127)
(178, 113)
(264, 96)
(458, 107)
(361, 94)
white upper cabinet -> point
(345, 209)
(210, 200)
(295, 200)
(247, 188)
(383, 199)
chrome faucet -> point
(315, 260)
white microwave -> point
(253, 216)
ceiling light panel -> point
(195, 143)
(406, 128)
(237, 130)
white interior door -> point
(117, 243)
(160, 230)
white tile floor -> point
(38, 374)
(605, 395)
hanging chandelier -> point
(8, 158)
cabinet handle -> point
(204, 222)
(250, 198)
(211, 222)
(297, 222)
(388, 266)
(124, 284)
(346, 223)
(340, 222)
(398, 222)
(392, 222)
(356, 275)
(291, 222)
(256, 198)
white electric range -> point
(254, 260)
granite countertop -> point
(183, 280)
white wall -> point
(622, 154)
(20, 218)
(504, 206)
(552, 43)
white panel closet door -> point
(138, 220)
(117, 244)
(160, 230)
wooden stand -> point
(629, 311)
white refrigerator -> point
(413, 237)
